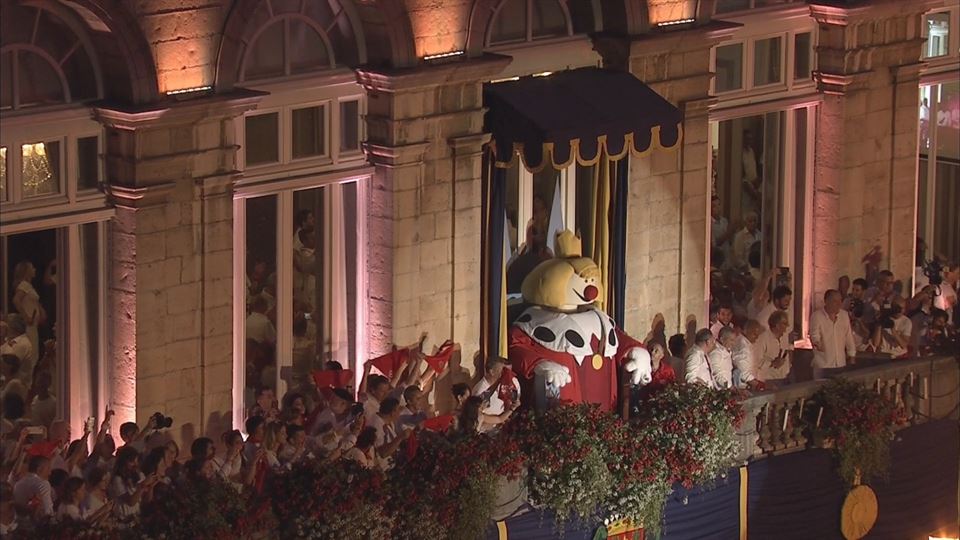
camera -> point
(886, 318)
(934, 272)
(857, 308)
(160, 421)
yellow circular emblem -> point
(597, 362)
(859, 512)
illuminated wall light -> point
(543, 74)
(508, 79)
(674, 23)
(189, 90)
(450, 54)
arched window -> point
(528, 20)
(45, 62)
(288, 45)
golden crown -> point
(568, 245)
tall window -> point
(938, 219)
(528, 20)
(937, 29)
(299, 214)
(761, 168)
(52, 211)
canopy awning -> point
(578, 114)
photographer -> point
(891, 333)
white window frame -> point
(328, 90)
(284, 179)
(785, 238)
(488, 33)
(784, 21)
(65, 126)
(953, 36)
(568, 197)
(70, 312)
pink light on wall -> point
(663, 12)
(439, 28)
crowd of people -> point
(106, 475)
(751, 346)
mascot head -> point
(565, 282)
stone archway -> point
(361, 34)
(123, 50)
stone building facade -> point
(181, 137)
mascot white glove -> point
(639, 366)
(556, 375)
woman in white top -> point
(230, 466)
(68, 505)
(27, 300)
(364, 451)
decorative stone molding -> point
(140, 197)
(430, 76)
(174, 113)
(395, 156)
(466, 145)
(870, 11)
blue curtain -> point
(618, 239)
(494, 200)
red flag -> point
(412, 446)
(42, 448)
(389, 363)
(340, 378)
(439, 423)
(440, 360)
(507, 391)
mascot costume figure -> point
(563, 347)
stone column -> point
(866, 142)
(170, 173)
(667, 226)
(425, 135)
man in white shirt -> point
(742, 241)
(721, 359)
(489, 387)
(388, 439)
(35, 487)
(894, 340)
(258, 326)
(724, 320)
(947, 298)
(780, 301)
(697, 366)
(17, 343)
(742, 356)
(773, 359)
(750, 178)
(378, 388)
(831, 335)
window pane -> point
(40, 168)
(729, 67)
(948, 122)
(310, 330)
(510, 23)
(766, 62)
(88, 173)
(546, 203)
(6, 80)
(801, 56)
(309, 132)
(85, 390)
(30, 272)
(349, 126)
(745, 215)
(547, 19)
(3, 173)
(39, 82)
(926, 98)
(307, 50)
(938, 35)
(586, 206)
(726, 6)
(512, 209)
(261, 139)
(265, 55)
(260, 355)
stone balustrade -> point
(924, 389)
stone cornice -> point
(613, 47)
(172, 113)
(395, 156)
(140, 197)
(471, 143)
(428, 76)
(843, 14)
